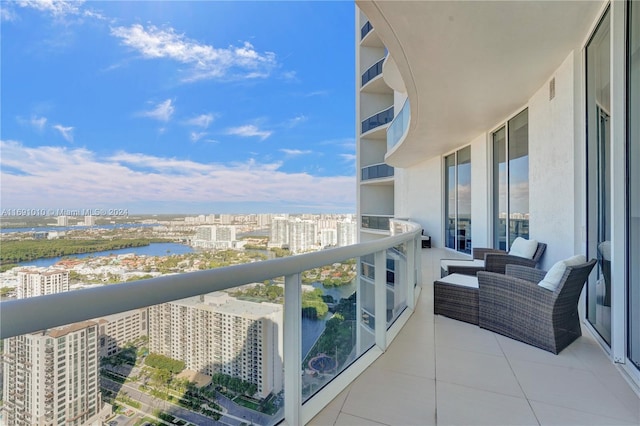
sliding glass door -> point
(511, 181)
(598, 54)
(458, 200)
(633, 177)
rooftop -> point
(440, 371)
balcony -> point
(377, 120)
(375, 222)
(366, 28)
(376, 171)
(61, 309)
(371, 73)
(399, 126)
(481, 378)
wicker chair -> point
(492, 260)
(515, 305)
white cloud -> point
(66, 132)
(295, 152)
(348, 157)
(7, 14)
(196, 136)
(38, 122)
(61, 177)
(296, 120)
(205, 61)
(162, 112)
(248, 131)
(202, 120)
(57, 8)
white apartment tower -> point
(218, 333)
(302, 235)
(279, 232)
(118, 329)
(52, 377)
(346, 233)
(62, 221)
(38, 282)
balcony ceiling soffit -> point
(468, 65)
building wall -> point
(553, 167)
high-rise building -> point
(214, 236)
(114, 331)
(328, 237)
(279, 232)
(63, 220)
(216, 333)
(89, 220)
(38, 282)
(52, 378)
(302, 235)
(346, 233)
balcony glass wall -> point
(399, 126)
(375, 222)
(377, 120)
(377, 171)
(366, 28)
(373, 71)
(458, 200)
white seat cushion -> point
(552, 279)
(523, 248)
(444, 263)
(461, 280)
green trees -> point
(24, 250)
(162, 362)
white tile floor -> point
(439, 371)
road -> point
(152, 403)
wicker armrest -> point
(524, 272)
(494, 262)
(479, 252)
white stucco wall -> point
(418, 196)
(480, 192)
(552, 166)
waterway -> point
(153, 249)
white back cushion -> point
(552, 279)
(523, 248)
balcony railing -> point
(377, 171)
(399, 126)
(380, 223)
(377, 120)
(372, 329)
(373, 71)
(366, 28)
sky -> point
(178, 107)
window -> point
(510, 145)
(457, 188)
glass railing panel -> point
(366, 28)
(375, 222)
(373, 71)
(198, 358)
(396, 282)
(329, 323)
(399, 126)
(377, 171)
(377, 120)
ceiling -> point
(468, 65)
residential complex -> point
(215, 237)
(216, 333)
(38, 282)
(114, 331)
(52, 378)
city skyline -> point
(190, 107)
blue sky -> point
(185, 107)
